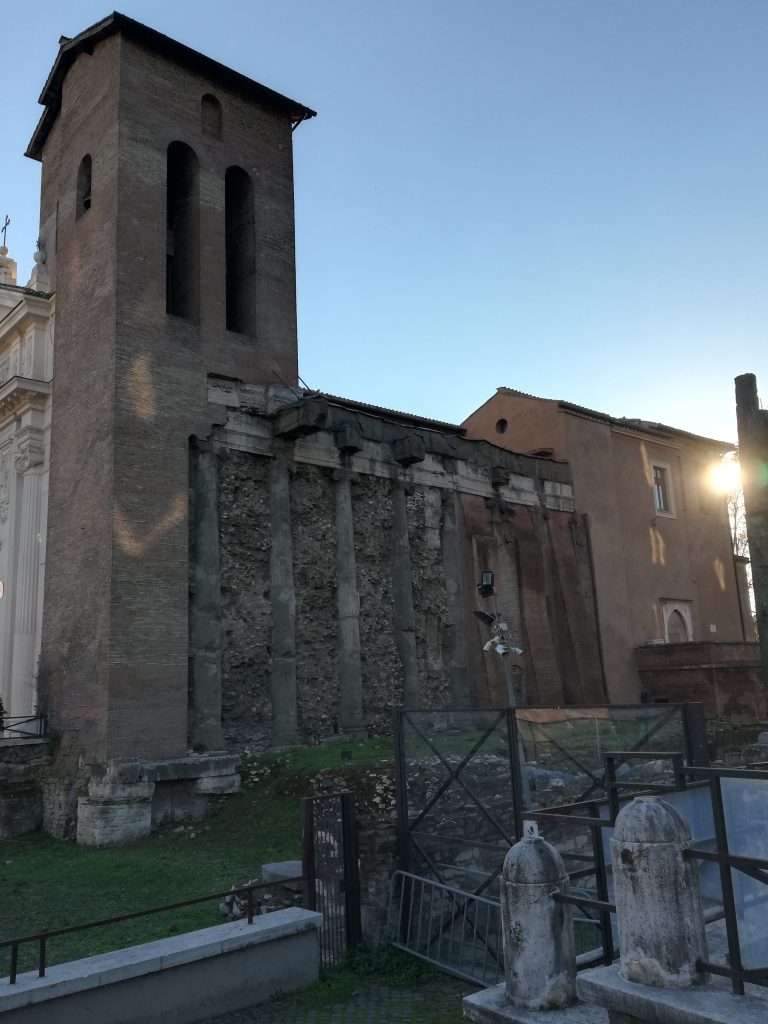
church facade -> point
(232, 562)
(26, 371)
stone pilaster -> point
(27, 570)
(283, 597)
(453, 565)
(7, 557)
(205, 602)
(348, 608)
(402, 589)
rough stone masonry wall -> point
(382, 672)
(430, 599)
(314, 568)
(245, 538)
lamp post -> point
(501, 642)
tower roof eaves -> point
(69, 49)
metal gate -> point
(331, 872)
(456, 931)
(471, 781)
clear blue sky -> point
(564, 196)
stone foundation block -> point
(196, 766)
(110, 824)
(21, 808)
(631, 1003)
(282, 871)
(174, 802)
(492, 1006)
(115, 811)
(218, 785)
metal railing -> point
(23, 727)
(710, 778)
(456, 931)
(596, 908)
(584, 813)
(614, 786)
(41, 939)
(754, 867)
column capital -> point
(29, 450)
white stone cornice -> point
(31, 309)
(20, 391)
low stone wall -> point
(182, 979)
(21, 802)
(725, 677)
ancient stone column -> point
(539, 946)
(348, 608)
(657, 895)
(402, 590)
(753, 457)
(205, 602)
(283, 595)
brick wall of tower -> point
(75, 657)
(131, 381)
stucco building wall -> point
(643, 559)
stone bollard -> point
(658, 901)
(539, 948)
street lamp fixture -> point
(485, 586)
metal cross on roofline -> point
(4, 228)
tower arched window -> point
(182, 262)
(84, 185)
(240, 251)
(210, 116)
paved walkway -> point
(428, 1003)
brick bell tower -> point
(168, 224)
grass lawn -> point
(437, 997)
(48, 883)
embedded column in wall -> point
(205, 601)
(26, 575)
(8, 502)
(283, 597)
(453, 565)
(348, 608)
(402, 589)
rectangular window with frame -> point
(662, 498)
